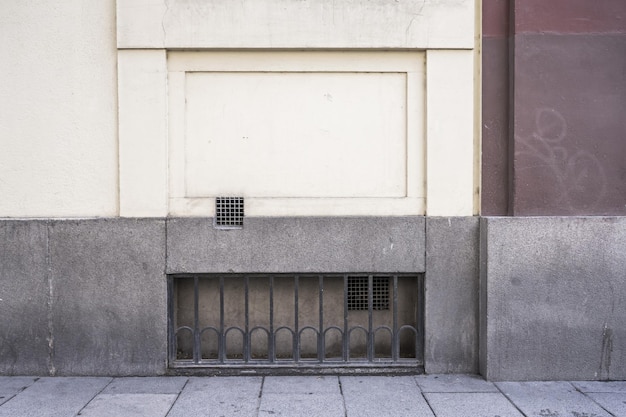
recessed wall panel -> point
(295, 134)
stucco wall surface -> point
(64, 155)
(58, 107)
(296, 24)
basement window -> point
(230, 323)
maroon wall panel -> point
(568, 75)
(570, 16)
(495, 108)
(570, 125)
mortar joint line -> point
(510, 400)
(258, 405)
(169, 410)
(95, 395)
(343, 398)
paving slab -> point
(129, 405)
(310, 405)
(613, 402)
(600, 386)
(381, 395)
(218, 396)
(54, 397)
(12, 385)
(146, 385)
(550, 399)
(301, 385)
(475, 404)
(310, 396)
(454, 383)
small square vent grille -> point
(358, 293)
(229, 212)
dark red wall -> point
(563, 66)
(495, 108)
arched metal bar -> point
(242, 332)
(390, 331)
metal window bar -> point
(392, 339)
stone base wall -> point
(553, 298)
(89, 297)
(83, 297)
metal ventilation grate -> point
(358, 293)
(229, 212)
(232, 323)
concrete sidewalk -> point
(359, 396)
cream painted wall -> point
(444, 120)
(61, 80)
(58, 109)
(296, 133)
(296, 24)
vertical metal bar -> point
(171, 330)
(320, 338)
(395, 341)
(370, 323)
(296, 333)
(196, 322)
(271, 352)
(246, 337)
(346, 344)
(222, 341)
(419, 340)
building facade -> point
(296, 186)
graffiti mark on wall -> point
(574, 176)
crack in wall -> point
(167, 9)
(605, 355)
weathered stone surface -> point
(223, 396)
(146, 385)
(313, 405)
(553, 298)
(54, 397)
(23, 298)
(376, 396)
(550, 399)
(600, 386)
(317, 396)
(129, 405)
(12, 385)
(109, 296)
(297, 244)
(451, 297)
(611, 401)
(301, 385)
(454, 383)
(480, 404)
